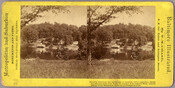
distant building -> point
(114, 41)
(73, 46)
(115, 49)
(61, 42)
(149, 43)
(147, 47)
(54, 47)
(40, 48)
(75, 43)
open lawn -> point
(79, 69)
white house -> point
(115, 49)
(40, 48)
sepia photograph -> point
(95, 42)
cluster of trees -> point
(70, 33)
(67, 33)
(140, 33)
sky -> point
(78, 16)
(145, 18)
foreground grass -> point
(79, 69)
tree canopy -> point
(70, 33)
(31, 13)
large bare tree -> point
(99, 15)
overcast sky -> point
(145, 18)
(78, 16)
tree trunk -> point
(89, 46)
(153, 45)
(89, 38)
(89, 55)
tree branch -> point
(26, 22)
(93, 11)
(100, 23)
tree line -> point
(70, 33)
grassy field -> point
(79, 69)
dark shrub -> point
(82, 54)
(143, 55)
(121, 56)
(69, 54)
(27, 51)
(63, 54)
(82, 51)
(46, 55)
(73, 54)
(99, 51)
(108, 54)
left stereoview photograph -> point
(115, 42)
(49, 40)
